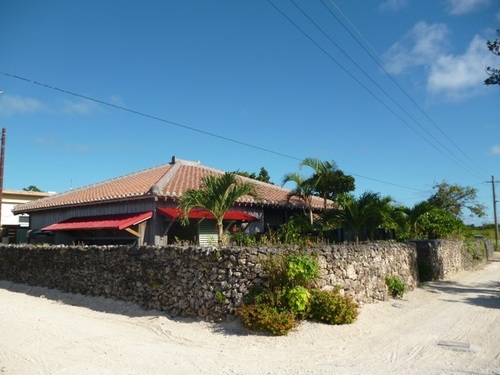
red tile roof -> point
(166, 181)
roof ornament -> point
(155, 189)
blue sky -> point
(392, 91)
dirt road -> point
(448, 327)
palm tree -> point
(364, 214)
(327, 180)
(216, 194)
(303, 190)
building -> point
(15, 227)
(141, 208)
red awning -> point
(173, 213)
(119, 221)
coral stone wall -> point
(198, 282)
(360, 270)
(439, 259)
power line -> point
(377, 61)
(139, 113)
(465, 167)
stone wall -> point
(439, 259)
(197, 282)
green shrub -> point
(332, 308)
(266, 318)
(301, 269)
(297, 300)
(277, 306)
(395, 285)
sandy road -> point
(447, 327)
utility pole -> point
(2, 158)
(495, 211)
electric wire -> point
(377, 60)
(390, 97)
(463, 166)
(156, 118)
(139, 113)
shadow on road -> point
(480, 294)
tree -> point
(216, 194)
(494, 73)
(31, 188)
(303, 190)
(455, 199)
(328, 181)
(262, 176)
(362, 215)
(437, 223)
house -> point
(15, 227)
(141, 208)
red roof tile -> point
(167, 181)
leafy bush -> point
(301, 269)
(395, 285)
(286, 298)
(297, 300)
(332, 308)
(267, 318)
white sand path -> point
(446, 327)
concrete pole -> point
(2, 158)
(495, 212)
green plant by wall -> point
(472, 250)
(302, 269)
(267, 318)
(297, 299)
(287, 297)
(332, 308)
(395, 285)
(220, 297)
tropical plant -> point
(361, 215)
(216, 194)
(328, 181)
(304, 190)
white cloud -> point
(393, 5)
(46, 142)
(117, 100)
(461, 75)
(451, 75)
(16, 104)
(458, 7)
(82, 107)
(495, 150)
(420, 46)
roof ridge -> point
(167, 177)
(112, 179)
